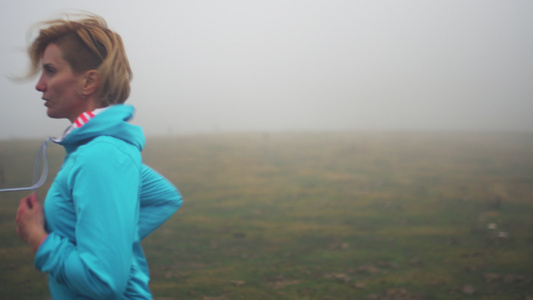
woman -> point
(103, 201)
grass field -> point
(363, 215)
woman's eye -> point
(49, 70)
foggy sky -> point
(222, 66)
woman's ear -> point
(91, 83)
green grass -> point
(322, 216)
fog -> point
(225, 66)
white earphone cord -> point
(37, 181)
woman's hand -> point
(30, 221)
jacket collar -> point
(79, 122)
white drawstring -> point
(37, 181)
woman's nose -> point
(40, 86)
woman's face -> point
(60, 86)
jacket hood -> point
(113, 121)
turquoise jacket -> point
(102, 203)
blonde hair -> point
(87, 44)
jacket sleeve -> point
(160, 199)
(104, 182)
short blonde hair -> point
(87, 44)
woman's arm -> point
(160, 199)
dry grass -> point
(325, 216)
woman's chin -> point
(53, 114)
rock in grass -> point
(514, 278)
(368, 270)
(339, 276)
(359, 285)
(237, 282)
(397, 293)
(416, 262)
(389, 265)
(284, 283)
(468, 289)
(491, 277)
(239, 235)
